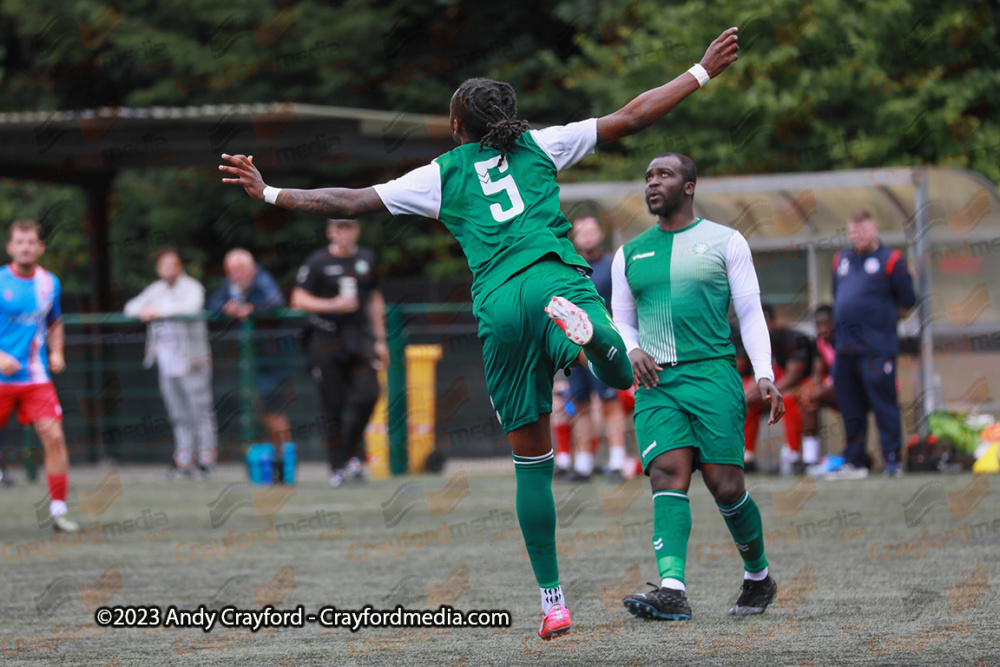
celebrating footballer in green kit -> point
(497, 193)
(672, 288)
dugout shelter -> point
(946, 220)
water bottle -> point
(253, 463)
(266, 463)
(288, 461)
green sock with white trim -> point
(536, 514)
(743, 519)
(671, 530)
(607, 357)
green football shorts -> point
(697, 404)
(522, 347)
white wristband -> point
(271, 194)
(699, 73)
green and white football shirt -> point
(505, 214)
(672, 292)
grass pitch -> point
(880, 572)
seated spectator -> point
(250, 289)
(791, 353)
(817, 390)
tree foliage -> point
(822, 84)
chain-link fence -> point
(113, 407)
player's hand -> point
(721, 53)
(645, 368)
(8, 364)
(344, 304)
(246, 174)
(771, 393)
(57, 363)
(381, 354)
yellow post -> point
(377, 435)
(421, 367)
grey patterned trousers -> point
(189, 404)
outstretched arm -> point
(654, 104)
(325, 202)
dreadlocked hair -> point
(488, 110)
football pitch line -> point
(873, 571)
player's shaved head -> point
(688, 169)
(670, 184)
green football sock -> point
(671, 530)
(536, 514)
(606, 353)
(743, 519)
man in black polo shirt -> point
(345, 341)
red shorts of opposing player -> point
(33, 402)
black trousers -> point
(344, 380)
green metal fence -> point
(113, 409)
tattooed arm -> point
(324, 202)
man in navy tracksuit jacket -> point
(871, 289)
